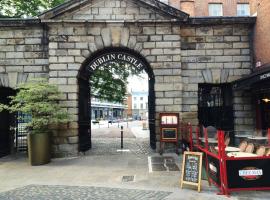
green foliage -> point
(109, 82)
(29, 8)
(41, 100)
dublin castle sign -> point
(115, 57)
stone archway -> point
(89, 66)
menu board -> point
(169, 119)
(192, 169)
(169, 133)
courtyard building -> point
(191, 63)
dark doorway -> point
(6, 120)
(215, 106)
(88, 68)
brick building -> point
(190, 62)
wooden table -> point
(241, 154)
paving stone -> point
(44, 192)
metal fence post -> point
(122, 137)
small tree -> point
(39, 99)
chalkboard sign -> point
(169, 133)
(192, 169)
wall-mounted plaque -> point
(192, 169)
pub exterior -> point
(193, 64)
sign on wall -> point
(115, 57)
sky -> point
(137, 83)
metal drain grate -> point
(127, 178)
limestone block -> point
(245, 51)
(68, 88)
(14, 55)
(163, 86)
(164, 101)
(53, 45)
(214, 52)
(149, 30)
(167, 58)
(132, 42)
(241, 58)
(171, 51)
(94, 31)
(66, 59)
(214, 39)
(32, 68)
(240, 45)
(72, 96)
(74, 66)
(155, 38)
(68, 74)
(149, 45)
(231, 38)
(143, 38)
(58, 81)
(171, 37)
(81, 45)
(58, 66)
(73, 140)
(158, 72)
(173, 108)
(201, 31)
(72, 81)
(159, 94)
(188, 31)
(6, 34)
(224, 45)
(170, 94)
(124, 36)
(69, 45)
(74, 52)
(232, 52)
(156, 51)
(163, 30)
(240, 30)
(160, 108)
(223, 58)
(223, 30)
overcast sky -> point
(138, 83)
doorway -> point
(94, 62)
(7, 120)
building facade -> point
(139, 105)
(186, 59)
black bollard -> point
(122, 137)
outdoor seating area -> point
(233, 165)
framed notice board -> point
(192, 169)
(169, 133)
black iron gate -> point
(215, 106)
(152, 111)
(21, 132)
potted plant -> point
(40, 100)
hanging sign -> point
(115, 57)
(192, 169)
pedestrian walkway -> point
(105, 174)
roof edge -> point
(14, 22)
(221, 20)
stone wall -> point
(23, 54)
(70, 45)
(215, 54)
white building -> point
(140, 104)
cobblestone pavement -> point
(45, 192)
(109, 146)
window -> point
(243, 9)
(135, 98)
(146, 105)
(135, 106)
(141, 105)
(141, 98)
(215, 9)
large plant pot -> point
(39, 152)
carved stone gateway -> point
(176, 51)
